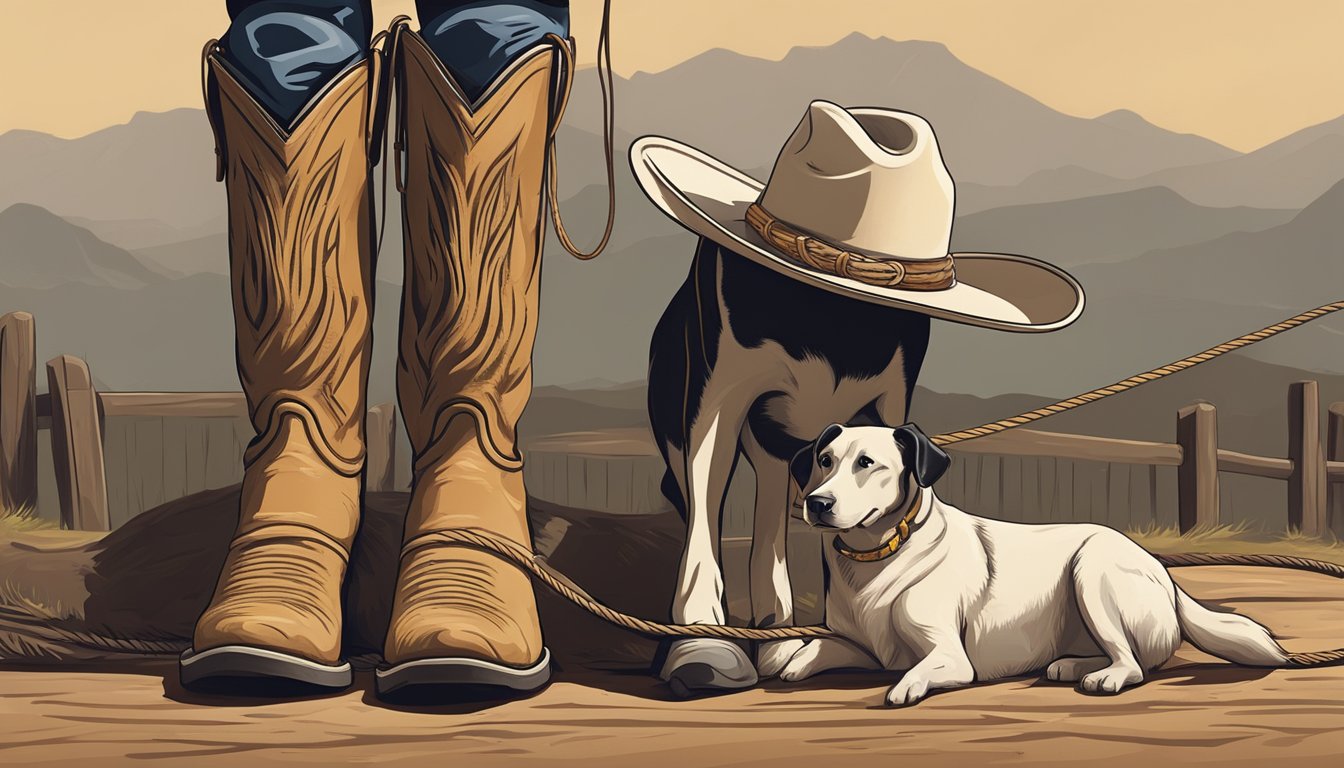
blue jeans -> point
(285, 51)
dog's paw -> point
(775, 655)
(800, 665)
(909, 691)
(1110, 680)
(1071, 669)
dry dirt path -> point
(1193, 713)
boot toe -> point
(447, 633)
(270, 627)
(453, 602)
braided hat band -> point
(907, 274)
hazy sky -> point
(1240, 72)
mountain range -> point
(115, 240)
(41, 250)
(151, 181)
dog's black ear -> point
(926, 461)
(828, 436)
(801, 466)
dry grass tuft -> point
(1238, 539)
(13, 596)
(17, 520)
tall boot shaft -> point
(472, 182)
(301, 258)
(473, 227)
(301, 237)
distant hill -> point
(1248, 278)
(205, 254)
(1299, 261)
(158, 167)
(41, 250)
(1105, 227)
(135, 234)
(1288, 173)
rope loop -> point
(606, 83)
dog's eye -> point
(865, 462)
(824, 461)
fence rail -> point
(76, 413)
(618, 469)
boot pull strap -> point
(379, 68)
(605, 81)
(211, 106)
(383, 50)
(395, 92)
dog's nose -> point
(818, 506)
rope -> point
(1102, 393)
(607, 85)
(1307, 659)
(542, 571)
(1267, 561)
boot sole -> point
(241, 662)
(461, 678)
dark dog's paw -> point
(702, 666)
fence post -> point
(77, 445)
(18, 413)
(1306, 485)
(1334, 451)
(1197, 476)
(380, 462)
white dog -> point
(917, 585)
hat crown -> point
(868, 180)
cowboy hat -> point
(859, 203)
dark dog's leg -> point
(705, 665)
(771, 592)
(710, 458)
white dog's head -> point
(851, 477)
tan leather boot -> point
(473, 209)
(301, 244)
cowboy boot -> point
(472, 208)
(301, 259)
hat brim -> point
(993, 290)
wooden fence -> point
(1077, 478)
(1313, 469)
(619, 471)
(76, 413)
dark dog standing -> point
(746, 361)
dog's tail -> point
(1227, 635)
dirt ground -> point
(1196, 711)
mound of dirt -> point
(74, 596)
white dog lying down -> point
(917, 585)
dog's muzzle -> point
(816, 506)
